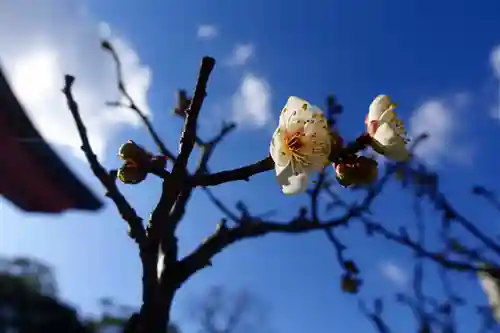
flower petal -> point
(298, 184)
(295, 113)
(391, 145)
(279, 154)
(290, 181)
(388, 115)
(398, 152)
(292, 104)
(283, 173)
(378, 106)
(317, 144)
(304, 122)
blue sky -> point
(438, 60)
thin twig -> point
(137, 231)
(131, 103)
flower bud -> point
(367, 170)
(359, 171)
(345, 174)
(132, 151)
(129, 173)
(337, 145)
(350, 284)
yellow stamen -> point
(293, 145)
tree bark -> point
(154, 314)
(153, 317)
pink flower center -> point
(372, 127)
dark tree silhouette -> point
(28, 302)
(325, 212)
(220, 311)
(215, 311)
(117, 317)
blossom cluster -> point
(304, 143)
(137, 163)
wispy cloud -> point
(42, 45)
(241, 54)
(495, 64)
(207, 31)
(440, 119)
(251, 102)
(394, 273)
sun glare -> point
(35, 76)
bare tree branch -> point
(376, 316)
(220, 311)
(488, 195)
(178, 186)
(226, 129)
(106, 45)
(207, 147)
(188, 136)
(243, 173)
(251, 228)
(137, 231)
(179, 208)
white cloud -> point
(394, 273)
(440, 119)
(50, 39)
(251, 102)
(495, 64)
(207, 31)
(495, 60)
(241, 54)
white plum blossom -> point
(387, 131)
(490, 281)
(300, 145)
